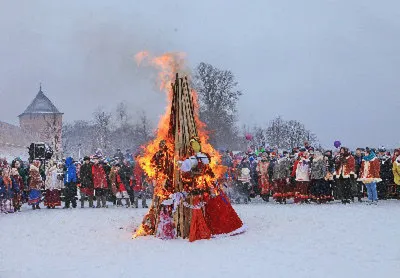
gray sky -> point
(333, 65)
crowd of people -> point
(96, 178)
(304, 174)
(309, 175)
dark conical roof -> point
(41, 105)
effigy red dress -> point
(220, 216)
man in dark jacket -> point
(386, 174)
(126, 173)
(86, 176)
(358, 185)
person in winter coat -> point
(302, 173)
(358, 187)
(386, 174)
(118, 187)
(8, 189)
(70, 180)
(281, 179)
(86, 177)
(318, 174)
(35, 185)
(100, 182)
(330, 169)
(396, 174)
(370, 175)
(263, 177)
(17, 200)
(344, 174)
(22, 171)
(126, 174)
(52, 186)
(138, 188)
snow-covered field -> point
(282, 241)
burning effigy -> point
(188, 201)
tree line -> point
(218, 96)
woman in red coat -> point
(99, 182)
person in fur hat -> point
(396, 174)
(100, 182)
(318, 174)
(86, 189)
(35, 185)
(52, 186)
(344, 172)
(302, 172)
(386, 174)
(370, 175)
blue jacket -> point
(4, 193)
(70, 175)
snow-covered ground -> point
(282, 241)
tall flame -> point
(168, 65)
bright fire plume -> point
(168, 65)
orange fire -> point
(168, 65)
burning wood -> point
(184, 168)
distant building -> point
(41, 121)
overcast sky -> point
(333, 65)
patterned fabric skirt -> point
(52, 198)
(35, 196)
(6, 205)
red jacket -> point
(137, 175)
(99, 177)
(346, 167)
(121, 186)
(370, 171)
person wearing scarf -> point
(344, 173)
(370, 175)
(8, 188)
(263, 177)
(17, 199)
(318, 174)
(302, 170)
(396, 174)
(35, 185)
(281, 179)
(52, 186)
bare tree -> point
(218, 97)
(102, 122)
(288, 134)
(122, 114)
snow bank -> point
(282, 241)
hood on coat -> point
(69, 161)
